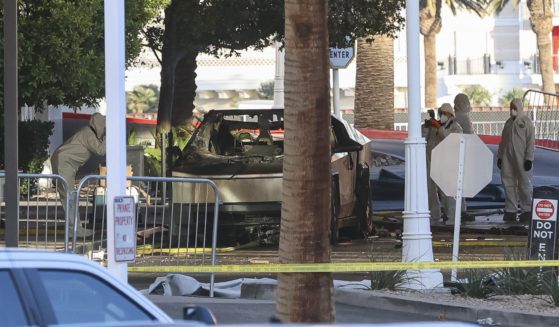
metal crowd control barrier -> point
(544, 110)
(41, 218)
(176, 220)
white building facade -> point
(498, 52)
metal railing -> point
(543, 107)
(42, 221)
(177, 220)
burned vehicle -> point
(241, 151)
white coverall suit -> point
(434, 136)
(515, 149)
(462, 110)
(74, 153)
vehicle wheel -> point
(335, 211)
(363, 207)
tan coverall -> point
(516, 147)
(74, 153)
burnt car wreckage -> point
(242, 152)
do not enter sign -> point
(545, 209)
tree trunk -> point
(168, 65)
(374, 83)
(430, 26)
(184, 89)
(541, 16)
(430, 45)
(305, 223)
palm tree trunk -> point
(430, 26)
(374, 83)
(430, 45)
(168, 65)
(546, 62)
(305, 223)
(541, 16)
(184, 89)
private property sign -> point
(125, 229)
(543, 231)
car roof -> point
(15, 258)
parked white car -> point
(40, 288)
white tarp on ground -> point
(182, 285)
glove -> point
(436, 123)
(527, 165)
(499, 163)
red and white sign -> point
(545, 210)
(125, 229)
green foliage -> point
(388, 280)
(61, 49)
(152, 162)
(141, 99)
(551, 288)
(33, 137)
(515, 93)
(479, 96)
(266, 90)
(224, 27)
(476, 283)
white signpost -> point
(339, 58)
(124, 229)
(461, 165)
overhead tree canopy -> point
(223, 27)
(61, 49)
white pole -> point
(336, 91)
(458, 206)
(416, 237)
(278, 81)
(116, 122)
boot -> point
(525, 217)
(509, 217)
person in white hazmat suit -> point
(514, 159)
(434, 134)
(74, 153)
(462, 110)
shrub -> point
(515, 93)
(33, 137)
(476, 283)
(266, 90)
(479, 96)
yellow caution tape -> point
(345, 267)
(33, 231)
(149, 250)
(484, 243)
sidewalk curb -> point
(372, 299)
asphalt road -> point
(244, 311)
(545, 161)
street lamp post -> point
(116, 123)
(416, 237)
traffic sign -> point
(545, 209)
(125, 229)
(341, 57)
(478, 165)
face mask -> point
(444, 119)
(513, 113)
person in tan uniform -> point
(515, 159)
(74, 153)
(434, 135)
